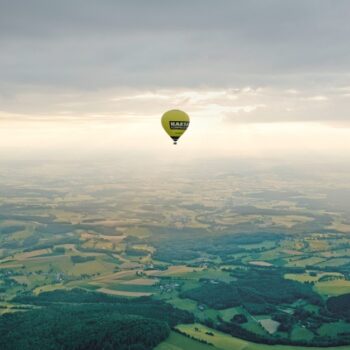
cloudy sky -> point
(255, 76)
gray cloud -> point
(84, 46)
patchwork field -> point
(260, 261)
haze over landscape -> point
(236, 238)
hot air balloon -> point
(175, 123)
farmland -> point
(254, 260)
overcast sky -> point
(225, 62)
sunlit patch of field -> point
(68, 216)
(305, 277)
(306, 262)
(292, 252)
(144, 247)
(92, 240)
(21, 235)
(87, 235)
(10, 310)
(60, 263)
(213, 274)
(48, 288)
(114, 239)
(236, 219)
(140, 232)
(82, 284)
(259, 263)
(176, 270)
(339, 225)
(32, 254)
(92, 267)
(177, 341)
(120, 258)
(268, 324)
(96, 243)
(123, 293)
(121, 275)
(64, 264)
(8, 307)
(318, 245)
(138, 288)
(336, 287)
(141, 282)
(335, 262)
(11, 265)
(298, 257)
(218, 339)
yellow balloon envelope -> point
(175, 123)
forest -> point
(259, 290)
(86, 320)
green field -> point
(334, 328)
(226, 342)
(178, 341)
(300, 333)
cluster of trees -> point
(239, 318)
(169, 254)
(312, 320)
(54, 228)
(52, 243)
(219, 296)
(135, 252)
(340, 305)
(237, 331)
(11, 229)
(78, 259)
